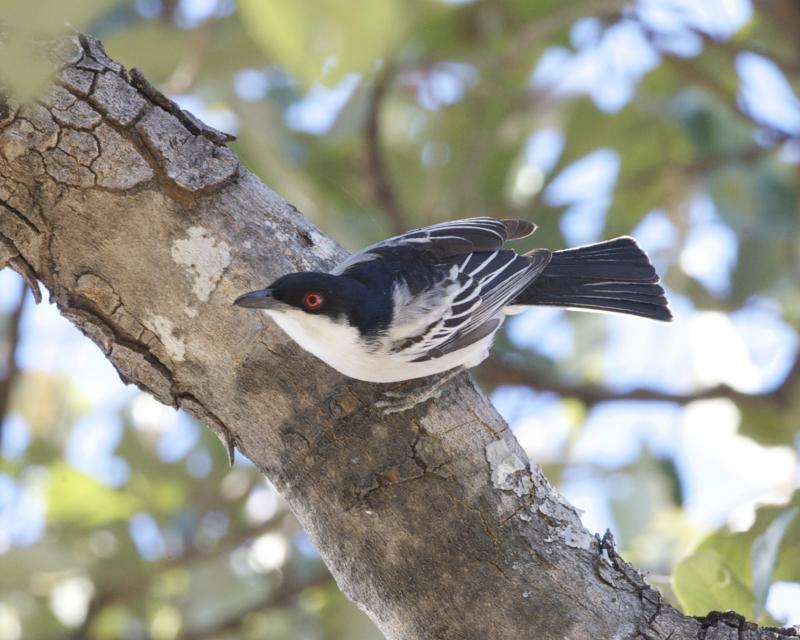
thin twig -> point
(537, 31)
(136, 585)
(283, 596)
(795, 249)
(377, 171)
(185, 73)
(785, 16)
(701, 165)
(694, 72)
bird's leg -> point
(399, 401)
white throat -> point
(334, 343)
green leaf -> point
(736, 546)
(229, 49)
(764, 555)
(703, 582)
(74, 497)
(771, 425)
(23, 64)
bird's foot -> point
(400, 401)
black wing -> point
(475, 291)
(447, 239)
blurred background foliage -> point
(676, 121)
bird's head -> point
(310, 292)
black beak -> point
(261, 299)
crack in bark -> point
(484, 520)
(651, 601)
(631, 576)
(187, 119)
(744, 629)
(131, 136)
(128, 121)
(21, 216)
(529, 502)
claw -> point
(404, 400)
(396, 394)
(403, 403)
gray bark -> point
(144, 227)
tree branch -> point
(9, 368)
(377, 171)
(144, 227)
(497, 371)
(279, 598)
(134, 586)
(535, 32)
(700, 166)
(693, 71)
(185, 73)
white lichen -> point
(204, 258)
(571, 531)
(577, 537)
(167, 334)
(509, 471)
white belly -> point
(337, 346)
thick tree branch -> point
(144, 227)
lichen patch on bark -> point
(509, 471)
(169, 336)
(203, 258)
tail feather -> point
(614, 276)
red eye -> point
(312, 301)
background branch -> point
(496, 371)
(280, 597)
(135, 586)
(9, 364)
(377, 172)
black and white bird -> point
(432, 299)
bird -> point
(431, 300)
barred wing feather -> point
(484, 283)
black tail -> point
(615, 276)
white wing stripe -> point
(489, 277)
(483, 264)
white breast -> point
(339, 346)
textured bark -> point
(144, 227)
